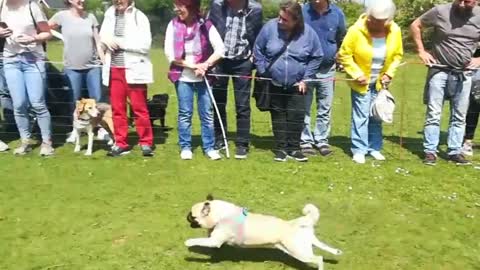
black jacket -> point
(218, 16)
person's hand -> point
(362, 80)
(474, 64)
(386, 80)
(201, 69)
(199, 73)
(111, 43)
(5, 32)
(427, 58)
(25, 39)
(302, 87)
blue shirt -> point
(300, 60)
(330, 28)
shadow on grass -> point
(415, 145)
(233, 254)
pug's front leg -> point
(204, 242)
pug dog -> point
(230, 224)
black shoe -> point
(430, 159)
(325, 150)
(459, 159)
(241, 153)
(117, 151)
(308, 150)
(280, 156)
(147, 151)
(219, 145)
(298, 156)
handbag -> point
(261, 87)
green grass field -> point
(76, 212)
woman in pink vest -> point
(192, 46)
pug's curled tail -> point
(311, 212)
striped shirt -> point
(118, 57)
(378, 60)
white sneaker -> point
(377, 155)
(71, 137)
(467, 149)
(3, 147)
(359, 158)
(214, 155)
(24, 148)
(186, 155)
(46, 149)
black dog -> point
(157, 108)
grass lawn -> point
(76, 212)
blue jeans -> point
(78, 78)
(366, 131)
(25, 75)
(324, 97)
(458, 112)
(185, 93)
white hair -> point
(382, 10)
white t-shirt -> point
(188, 75)
(20, 21)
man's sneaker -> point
(46, 149)
(3, 147)
(117, 151)
(186, 154)
(23, 149)
(219, 145)
(308, 150)
(459, 159)
(359, 158)
(467, 148)
(213, 155)
(147, 151)
(430, 159)
(325, 150)
(377, 155)
(280, 156)
(241, 153)
(298, 156)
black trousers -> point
(287, 112)
(241, 91)
(472, 119)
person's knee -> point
(39, 107)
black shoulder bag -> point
(261, 87)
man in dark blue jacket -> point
(328, 21)
(238, 22)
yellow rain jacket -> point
(356, 53)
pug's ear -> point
(209, 197)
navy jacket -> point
(300, 61)
(330, 28)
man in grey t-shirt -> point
(456, 33)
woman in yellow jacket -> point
(370, 53)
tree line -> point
(161, 11)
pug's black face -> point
(193, 221)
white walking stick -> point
(209, 89)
